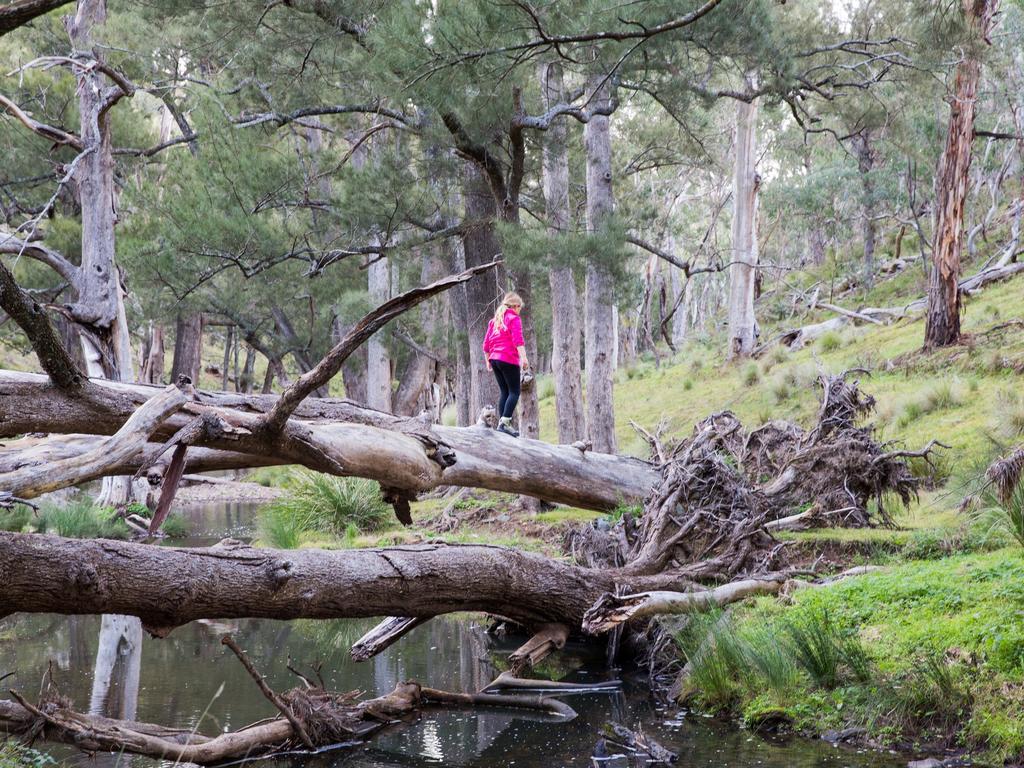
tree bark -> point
(600, 294)
(151, 370)
(480, 245)
(458, 302)
(188, 347)
(160, 585)
(742, 271)
(565, 322)
(17, 13)
(942, 322)
(865, 154)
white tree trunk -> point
(565, 322)
(106, 345)
(378, 362)
(742, 272)
(600, 318)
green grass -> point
(80, 519)
(946, 640)
(15, 519)
(323, 504)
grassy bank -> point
(926, 655)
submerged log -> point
(334, 718)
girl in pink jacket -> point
(505, 351)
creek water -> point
(190, 680)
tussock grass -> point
(1008, 413)
(1002, 520)
(939, 397)
(319, 503)
(825, 653)
(81, 519)
(830, 342)
(15, 519)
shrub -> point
(688, 384)
(751, 375)
(830, 342)
(16, 755)
(319, 502)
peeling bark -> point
(942, 323)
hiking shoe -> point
(508, 429)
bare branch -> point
(329, 366)
(17, 13)
(56, 135)
(32, 319)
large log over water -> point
(167, 587)
(329, 435)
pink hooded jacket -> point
(502, 344)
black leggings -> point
(507, 375)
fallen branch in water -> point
(312, 718)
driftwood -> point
(384, 635)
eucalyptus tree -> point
(942, 325)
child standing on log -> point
(505, 351)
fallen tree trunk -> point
(167, 587)
(98, 460)
(330, 435)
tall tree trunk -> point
(378, 358)
(600, 294)
(565, 319)
(742, 323)
(415, 389)
(480, 245)
(865, 154)
(458, 302)
(188, 347)
(248, 371)
(942, 322)
(99, 307)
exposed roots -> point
(724, 490)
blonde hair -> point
(509, 300)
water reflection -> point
(178, 679)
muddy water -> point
(189, 679)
